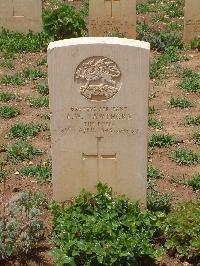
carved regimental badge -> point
(99, 78)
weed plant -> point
(180, 103)
(8, 112)
(190, 81)
(155, 123)
(6, 96)
(38, 102)
(157, 201)
(195, 182)
(42, 173)
(194, 121)
(196, 137)
(24, 131)
(186, 156)
(162, 140)
(12, 42)
(22, 151)
(21, 226)
(182, 230)
(43, 88)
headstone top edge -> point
(98, 40)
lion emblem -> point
(100, 78)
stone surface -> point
(99, 113)
(112, 17)
(21, 15)
(192, 20)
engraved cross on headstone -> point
(111, 5)
(99, 156)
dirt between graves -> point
(173, 123)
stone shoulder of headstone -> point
(99, 115)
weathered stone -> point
(112, 17)
(21, 15)
(99, 105)
(192, 20)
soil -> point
(173, 123)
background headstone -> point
(21, 15)
(192, 20)
(99, 105)
(107, 17)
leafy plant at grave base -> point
(64, 21)
(21, 227)
(153, 122)
(185, 156)
(160, 40)
(174, 26)
(38, 102)
(7, 112)
(190, 81)
(196, 137)
(46, 116)
(41, 172)
(195, 121)
(25, 131)
(43, 88)
(182, 230)
(195, 182)
(157, 201)
(16, 79)
(180, 103)
(99, 229)
(172, 9)
(162, 140)
(160, 18)
(6, 96)
(195, 44)
(22, 151)
(152, 110)
(12, 42)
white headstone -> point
(192, 20)
(112, 17)
(21, 15)
(99, 107)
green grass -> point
(42, 173)
(12, 42)
(25, 131)
(162, 140)
(185, 156)
(7, 63)
(152, 110)
(152, 174)
(38, 102)
(190, 81)
(194, 121)
(43, 88)
(195, 182)
(155, 123)
(22, 151)
(180, 103)
(21, 77)
(8, 112)
(157, 201)
(6, 96)
(196, 137)
(41, 62)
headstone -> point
(99, 108)
(21, 15)
(192, 20)
(112, 17)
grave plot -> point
(173, 171)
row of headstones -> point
(106, 17)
